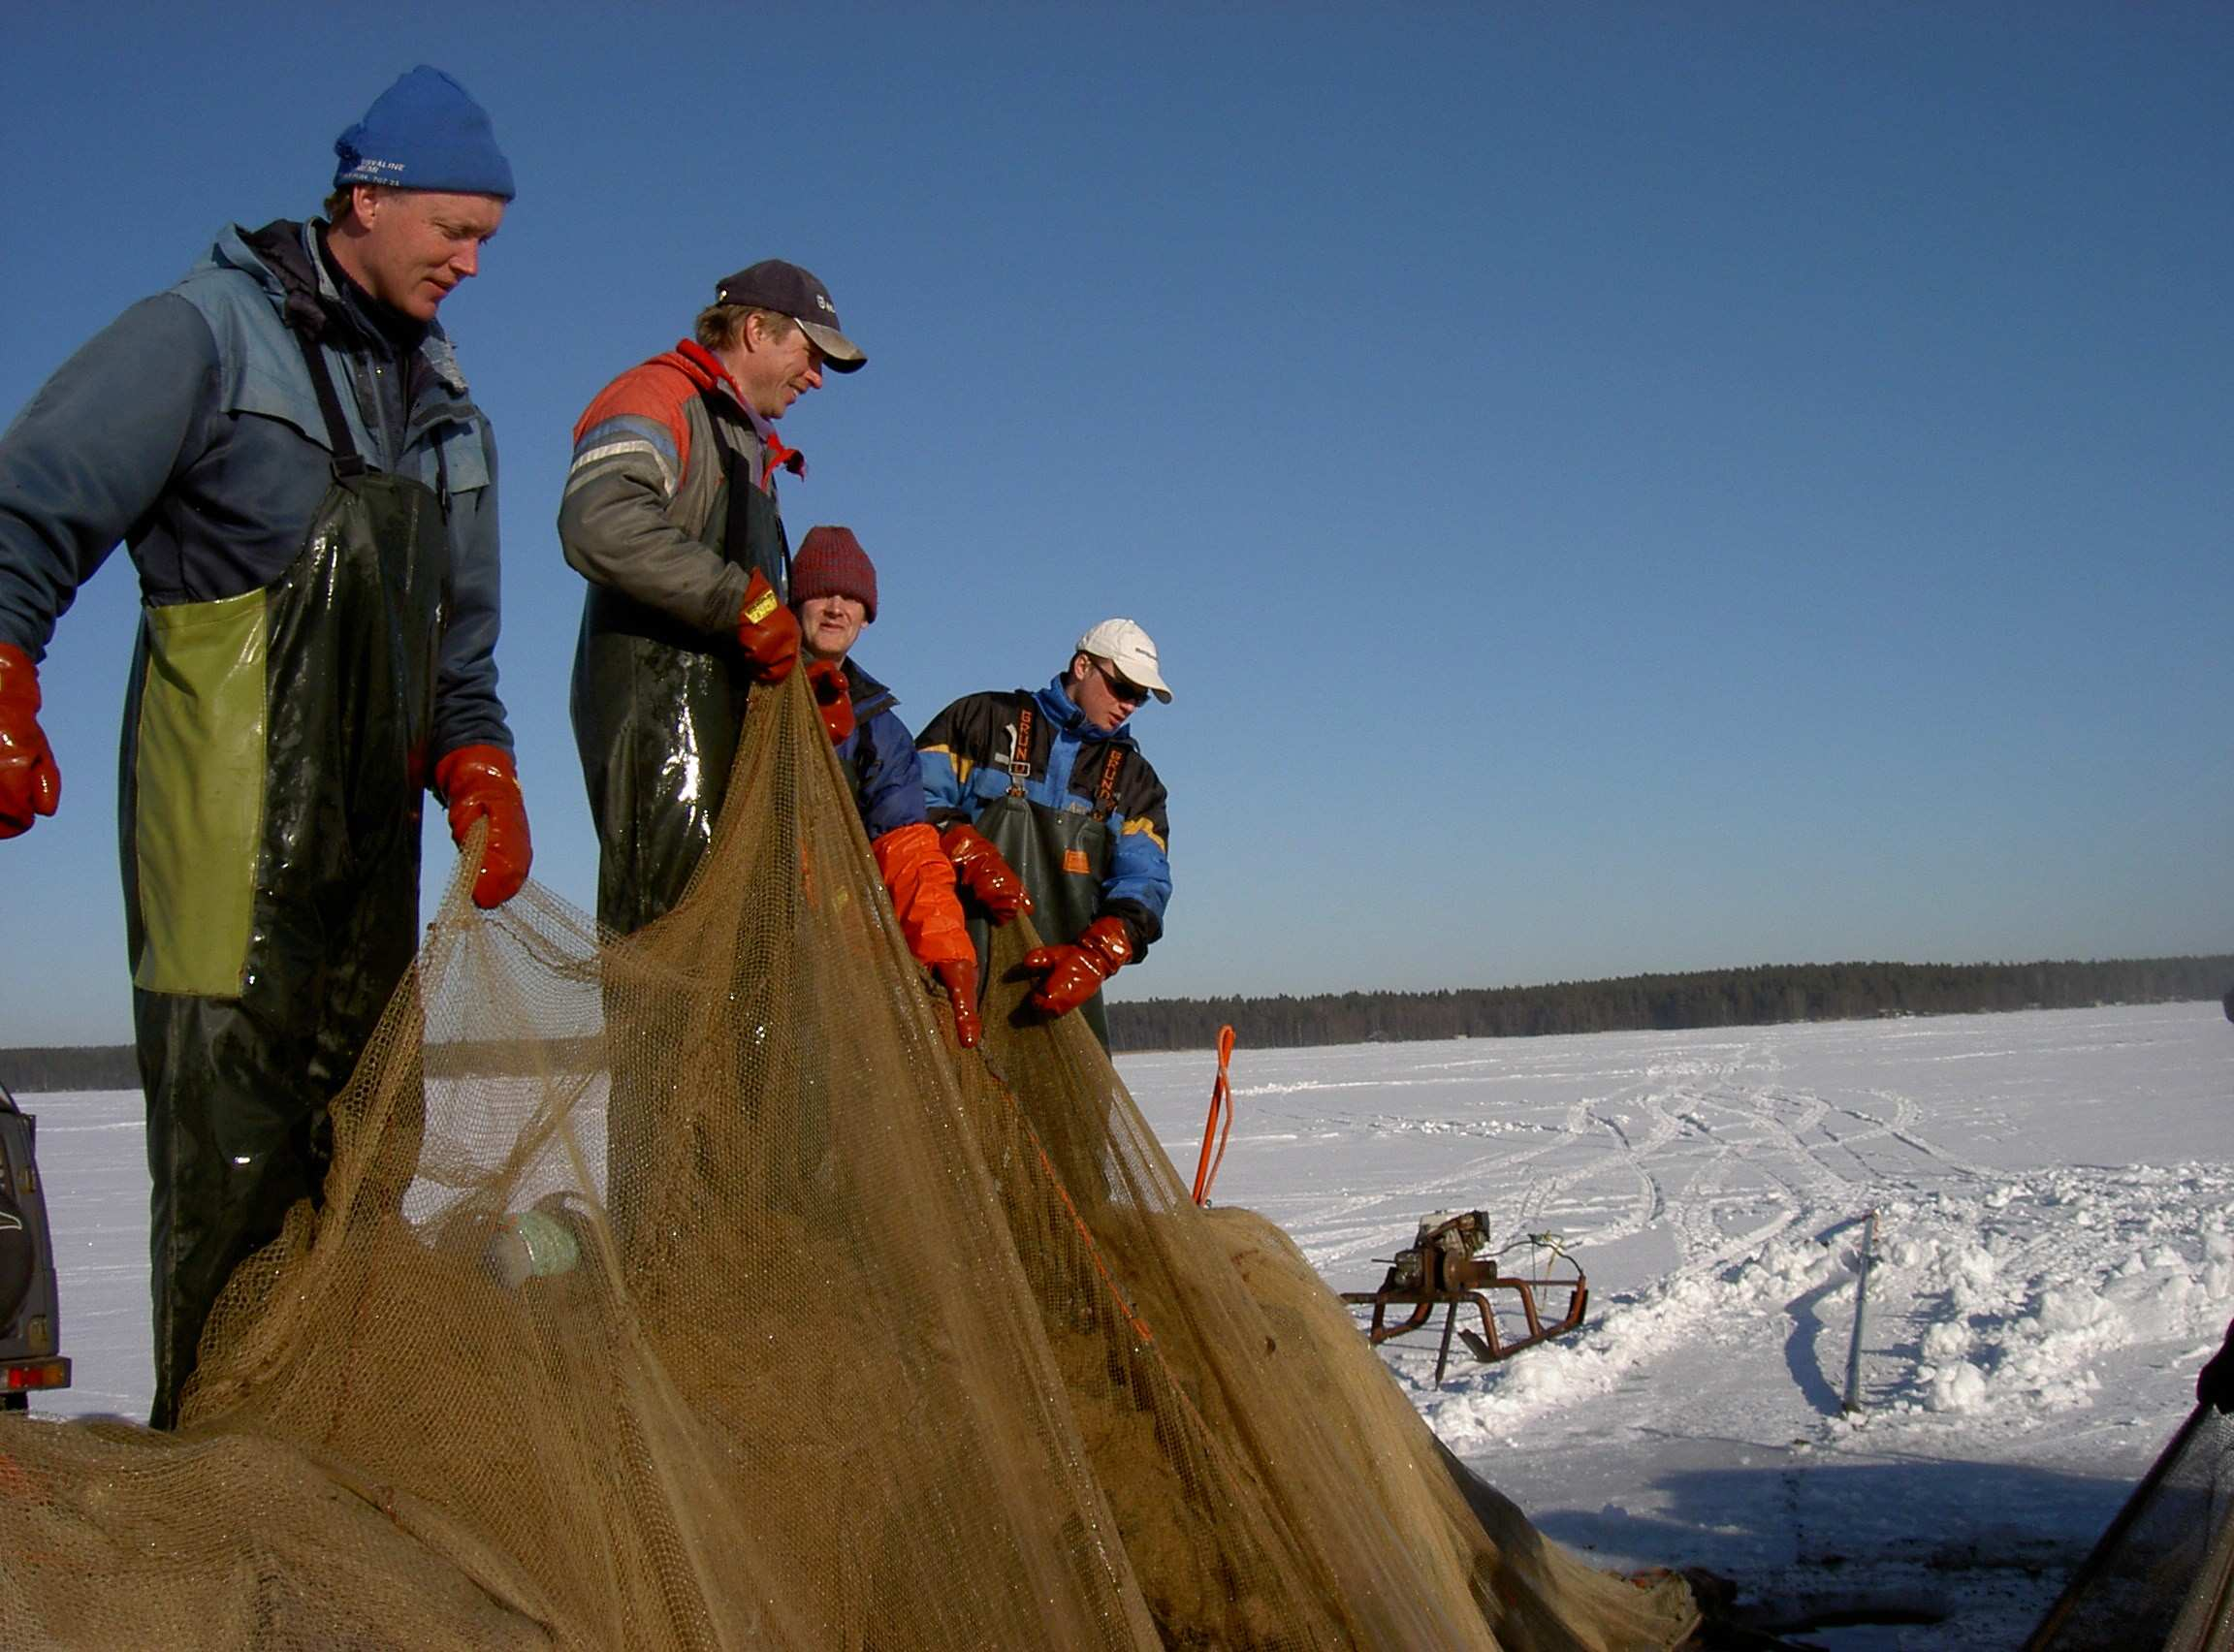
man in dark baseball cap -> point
(670, 512)
(788, 290)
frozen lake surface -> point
(2055, 1239)
(2055, 1234)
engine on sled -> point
(1443, 1267)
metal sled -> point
(1442, 1268)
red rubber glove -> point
(959, 976)
(1074, 974)
(833, 697)
(768, 632)
(980, 868)
(30, 784)
(478, 781)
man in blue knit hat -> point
(284, 441)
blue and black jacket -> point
(967, 751)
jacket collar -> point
(1059, 709)
(706, 371)
(282, 258)
(870, 697)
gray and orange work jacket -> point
(670, 508)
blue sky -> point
(1617, 488)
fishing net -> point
(2162, 1575)
(688, 1289)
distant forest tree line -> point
(1762, 996)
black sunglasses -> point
(1118, 685)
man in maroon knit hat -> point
(834, 594)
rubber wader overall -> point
(1061, 855)
(658, 708)
(274, 758)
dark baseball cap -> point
(788, 290)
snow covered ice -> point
(2055, 1259)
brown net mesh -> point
(688, 1290)
(2162, 1575)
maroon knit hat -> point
(830, 563)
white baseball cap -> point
(1131, 649)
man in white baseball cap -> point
(1050, 788)
(1131, 655)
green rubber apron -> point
(273, 761)
(658, 706)
(1061, 855)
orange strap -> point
(1221, 1102)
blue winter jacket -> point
(188, 429)
(879, 754)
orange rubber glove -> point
(30, 784)
(833, 697)
(959, 976)
(921, 882)
(980, 868)
(1074, 974)
(768, 632)
(478, 781)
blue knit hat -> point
(425, 132)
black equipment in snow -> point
(30, 1320)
